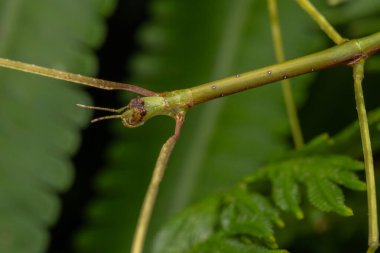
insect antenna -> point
(103, 108)
(118, 116)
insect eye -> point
(134, 116)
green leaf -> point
(239, 218)
(194, 225)
(222, 245)
(285, 192)
(327, 196)
(320, 175)
(40, 124)
(250, 215)
(245, 218)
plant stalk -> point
(321, 21)
(291, 108)
(373, 232)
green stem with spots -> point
(341, 54)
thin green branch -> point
(151, 194)
(373, 233)
(321, 21)
(291, 108)
(340, 54)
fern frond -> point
(191, 227)
(239, 220)
(246, 218)
(320, 175)
(250, 215)
(285, 192)
(327, 196)
(218, 244)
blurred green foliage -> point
(40, 126)
(183, 43)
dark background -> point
(119, 46)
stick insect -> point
(176, 103)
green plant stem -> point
(151, 194)
(373, 233)
(291, 108)
(321, 21)
(341, 54)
